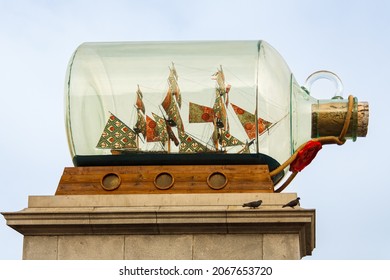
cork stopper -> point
(328, 119)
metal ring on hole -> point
(110, 181)
(217, 180)
(324, 74)
(164, 181)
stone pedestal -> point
(164, 226)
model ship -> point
(167, 129)
(200, 133)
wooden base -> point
(165, 179)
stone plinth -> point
(171, 226)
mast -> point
(217, 115)
(171, 105)
(220, 121)
(173, 79)
(140, 126)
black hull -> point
(134, 159)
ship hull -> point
(142, 159)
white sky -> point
(346, 185)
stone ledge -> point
(159, 200)
(77, 216)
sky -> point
(345, 184)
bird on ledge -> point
(292, 203)
(253, 204)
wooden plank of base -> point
(165, 179)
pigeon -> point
(292, 203)
(253, 204)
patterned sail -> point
(222, 89)
(156, 129)
(228, 140)
(189, 145)
(140, 126)
(220, 78)
(173, 84)
(172, 135)
(221, 101)
(172, 110)
(117, 135)
(216, 137)
(139, 103)
(217, 115)
(248, 121)
(199, 113)
(220, 114)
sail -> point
(228, 140)
(222, 89)
(156, 129)
(140, 126)
(173, 84)
(117, 135)
(248, 121)
(172, 111)
(199, 113)
(170, 106)
(263, 125)
(220, 114)
(172, 135)
(221, 100)
(139, 103)
(189, 145)
(221, 136)
(220, 78)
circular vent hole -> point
(164, 181)
(111, 181)
(217, 180)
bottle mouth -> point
(328, 118)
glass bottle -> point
(205, 102)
